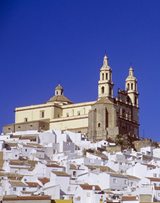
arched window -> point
(131, 86)
(102, 76)
(99, 125)
(106, 76)
(128, 86)
(102, 90)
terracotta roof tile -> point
(73, 167)
(157, 188)
(55, 166)
(17, 183)
(101, 168)
(154, 179)
(44, 180)
(34, 197)
(89, 187)
(32, 184)
(129, 198)
(61, 173)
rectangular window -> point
(125, 182)
(41, 114)
(114, 180)
(25, 119)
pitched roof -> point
(32, 184)
(73, 167)
(33, 197)
(11, 175)
(157, 187)
(89, 187)
(154, 179)
(17, 183)
(44, 180)
(129, 198)
(55, 166)
(105, 100)
(61, 173)
(101, 168)
(60, 98)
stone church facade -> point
(106, 117)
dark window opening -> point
(131, 86)
(102, 90)
(106, 117)
(25, 119)
(128, 86)
(106, 76)
(41, 114)
(102, 76)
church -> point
(104, 118)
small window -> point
(67, 114)
(25, 150)
(24, 188)
(41, 114)
(102, 90)
(19, 126)
(128, 86)
(131, 86)
(99, 125)
(102, 76)
(114, 180)
(125, 182)
(78, 113)
(74, 173)
(25, 119)
(9, 128)
(14, 189)
(106, 76)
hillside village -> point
(95, 155)
(63, 166)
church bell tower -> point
(105, 84)
(131, 87)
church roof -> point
(60, 98)
(105, 100)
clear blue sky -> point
(43, 43)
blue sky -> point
(43, 43)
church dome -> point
(59, 97)
(59, 87)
